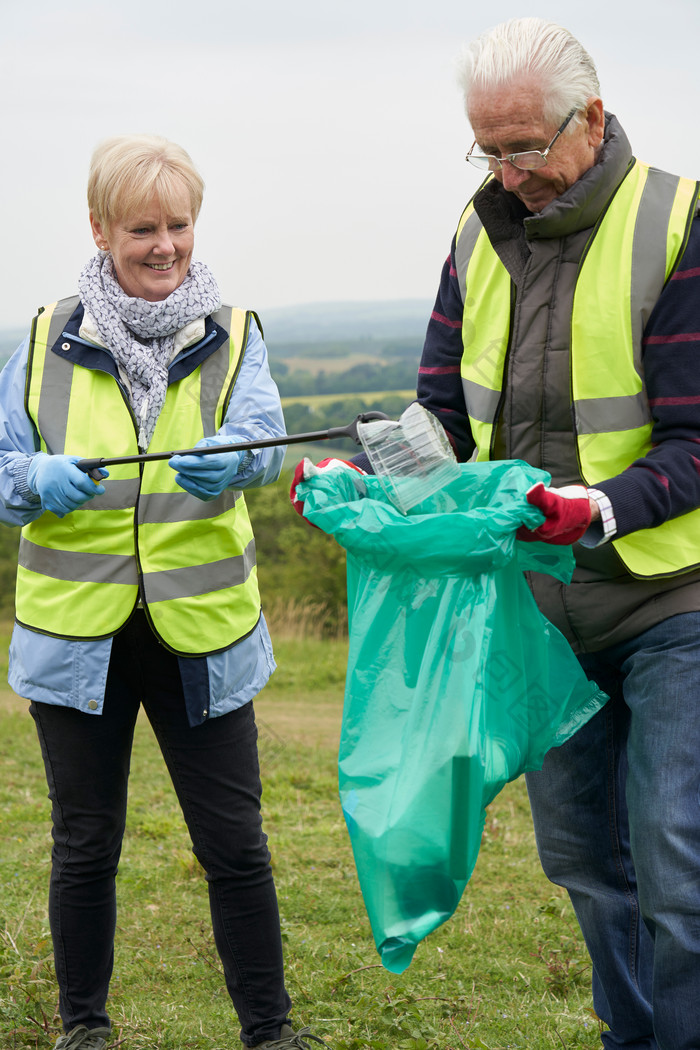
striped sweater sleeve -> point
(666, 482)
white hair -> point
(536, 49)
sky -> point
(330, 134)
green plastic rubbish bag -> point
(456, 683)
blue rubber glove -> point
(206, 477)
(62, 486)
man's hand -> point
(61, 485)
(568, 512)
(306, 470)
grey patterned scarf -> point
(141, 334)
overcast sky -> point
(330, 134)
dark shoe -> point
(290, 1040)
(82, 1038)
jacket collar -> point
(187, 337)
(89, 354)
(580, 207)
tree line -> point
(389, 365)
(358, 379)
(301, 417)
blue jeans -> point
(214, 769)
(617, 820)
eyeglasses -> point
(528, 160)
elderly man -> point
(566, 333)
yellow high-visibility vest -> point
(632, 252)
(192, 562)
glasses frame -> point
(510, 157)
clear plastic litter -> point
(412, 458)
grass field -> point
(509, 969)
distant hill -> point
(10, 338)
(349, 321)
(348, 348)
(341, 322)
(397, 318)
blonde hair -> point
(126, 170)
(536, 49)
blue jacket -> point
(74, 673)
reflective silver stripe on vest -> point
(482, 403)
(56, 381)
(649, 267)
(119, 495)
(199, 579)
(157, 507)
(213, 374)
(607, 414)
(77, 566)
(464, 249)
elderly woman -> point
(141, 588)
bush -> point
(9, 542)
(298, 566)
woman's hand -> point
(61, 486)
(207, 476)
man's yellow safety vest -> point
(630, 255)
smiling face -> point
(151, 248)
(509, 119)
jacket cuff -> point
(19, 468)
(603, 528)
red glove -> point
(306, 470)
(567, 512)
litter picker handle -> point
(91, 466)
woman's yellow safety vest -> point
(632, 252)
(191, 562)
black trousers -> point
(214, 769)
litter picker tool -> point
(91, 466)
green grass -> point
(509, 969)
